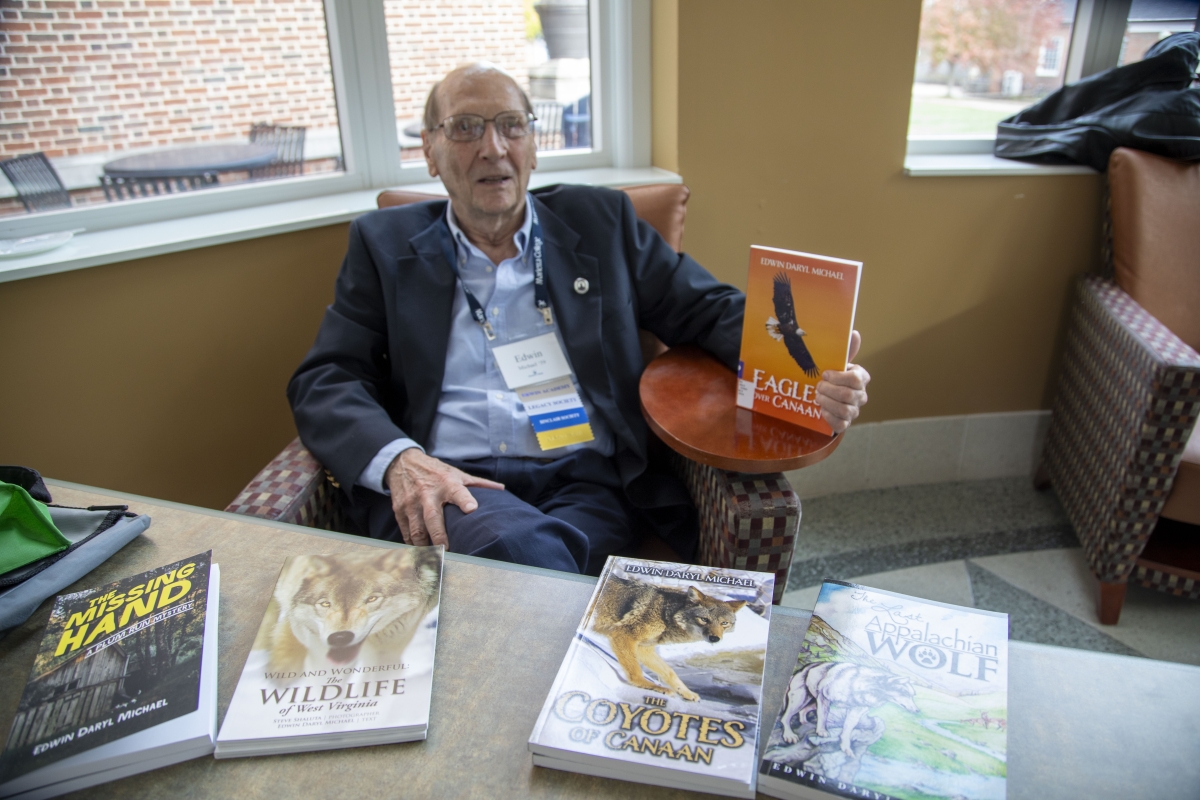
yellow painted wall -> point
(163, 376)
(664, 88)
(792, 124)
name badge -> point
(537, 370)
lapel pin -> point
(581, 286)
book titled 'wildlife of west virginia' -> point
(893, 698)
(662, 683)
(125, 680)
(344, 655)
(799, 316)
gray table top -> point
(182, 162)
(1081, 724)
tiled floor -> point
(994, 544)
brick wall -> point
(80, 77)
(428, 39)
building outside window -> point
(135, 101)
(1151, 21)
(979, 61)
(91, 83)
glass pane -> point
(544, 45)
(979, 61)
(130, 98)
(1151, 21)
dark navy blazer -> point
(375, 371)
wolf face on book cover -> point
(346, 644)
(665, 671)
(893, 697)
(114, 660)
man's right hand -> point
(421, 485)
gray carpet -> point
(866, 533)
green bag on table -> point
(26, 531)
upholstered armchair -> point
(746, 521)
(1122, 450)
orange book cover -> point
(799, 315)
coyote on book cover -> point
(799, 315)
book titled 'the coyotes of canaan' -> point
(799, 316)
(893, 697)
(662, 683)
(344, 655)
(125, 681)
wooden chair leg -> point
(1041, 478)
(1112, 597)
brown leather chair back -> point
(663, 205)
(1156, 237)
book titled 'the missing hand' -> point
(662, 683)
(344, 655)
(125, 681)
(893, 698)
(799, 316)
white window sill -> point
(974, 164)
(189, 233)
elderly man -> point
(474, 383)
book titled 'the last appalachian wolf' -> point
(799, 316)
(893, 698)
(124, 681)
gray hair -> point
(432, 116)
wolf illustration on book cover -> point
(897, 696)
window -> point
(88, 83)
(1151, 21)
(545, 46)
(980, 61)
(127, 99)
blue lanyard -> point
(540, 293)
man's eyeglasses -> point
(470, 127)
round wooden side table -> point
(690, 400)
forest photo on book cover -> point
(114, 660)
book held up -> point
(799, 317)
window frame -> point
(1094, 46)
(358, 53)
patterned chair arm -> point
(292, 488)
(1127, 401)
(746, 521)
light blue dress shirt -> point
(478, 415)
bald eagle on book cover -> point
(785, 329)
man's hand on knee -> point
(842, 394)
(421, 485)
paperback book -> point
(662, 683)
(124, 681)
(799, 316)
(343, 657)
(893, 697)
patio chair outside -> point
(288, 142)
(549, 120)
(133, 188)
(38, 185)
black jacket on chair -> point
(375, 372)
